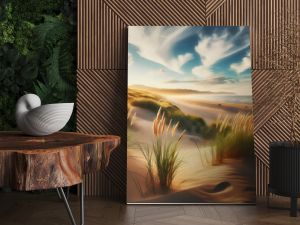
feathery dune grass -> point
(234, 138)
(162, 156)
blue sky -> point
(199, 58)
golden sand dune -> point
(225, 183)
(209, 111)
(230, 107)
(197, 180)
(171, 91)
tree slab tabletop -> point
(57, 160)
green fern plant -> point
(57, 72)
(37, 53)
(54, 44)
(17, 73)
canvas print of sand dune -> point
(189, 123)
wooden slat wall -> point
(102, 70)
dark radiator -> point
(285, 171)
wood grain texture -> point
(102, 37)
(102, 68)
(272, 119)
(263, 17)
(103, 92)
(157, 13)
(57, 160)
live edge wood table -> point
(52, 162)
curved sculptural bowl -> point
(40, 120)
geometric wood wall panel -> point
(102, 70)
(212, 6)
(277, 128)
(102, 101)
(101, 109)
(102, 37)
(272, 118)
(263, 17)
(162, 12)
(262, 177)
(102, 67)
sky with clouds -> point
(199, 58)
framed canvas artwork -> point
(189, 122)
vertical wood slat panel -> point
(262, 178)
(263, 17)
(102, 39)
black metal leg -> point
(67, 193)
(293, 210)
(62, 196)
(58, 193)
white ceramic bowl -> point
(40, 120)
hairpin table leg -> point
(62, 195)
(67, 193)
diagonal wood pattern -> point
(263, 17)
(271, 116)
(212, 6)
(101, 109)
(102, 69)
(102, 37)
(159, 12)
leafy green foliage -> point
(56, 62)
(53, 43)
(38, 49)
(70, 11)
(33, 10)
(17, 72)
(7, 112)
(15, 31)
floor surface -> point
(46, 209)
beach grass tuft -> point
(162, 156)
(234, 138)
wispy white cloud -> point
(242, 65)
(155, 45)
(130, 59)
(214, 48)
(197, 81)
(203, 71)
